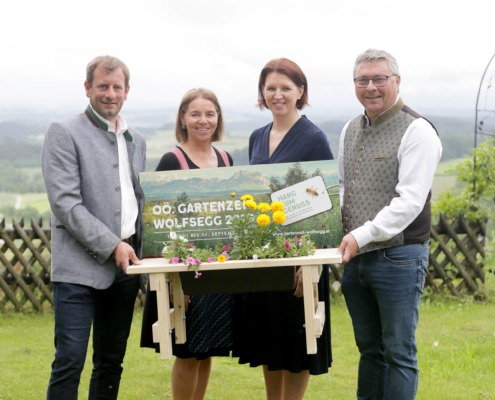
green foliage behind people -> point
(474, 196)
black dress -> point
(208, 317)
(269, 326)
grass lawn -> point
(456, 341)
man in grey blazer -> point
(90, 166)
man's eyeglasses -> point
(378, 81)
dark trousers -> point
(382, 290)
(109, 312)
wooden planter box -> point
(238, 280)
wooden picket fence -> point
(25, 267)
(456, 263)
(457, 253)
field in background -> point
(444, 180)
(163, 140)
(456, 339)
(157, 146)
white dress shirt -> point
(129, 212)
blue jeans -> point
(110, 312)
(382, 289)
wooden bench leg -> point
(158, 283)
(314, 310)
(179, 314)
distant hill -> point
(192, 186)
(21, 131)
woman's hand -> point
(298, 282)
(187, 299)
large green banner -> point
(199, 204)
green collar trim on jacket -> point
(97, 121)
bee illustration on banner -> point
(312, 191)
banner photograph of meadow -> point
(200, 205)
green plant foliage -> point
(27, 213)
(474, 196)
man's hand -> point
(348, 248)
(124, 253)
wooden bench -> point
(160, 271)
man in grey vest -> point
(90, 165)
(387, 161)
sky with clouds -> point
(442, 49)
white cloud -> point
(171, 46)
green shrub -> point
(474, 195)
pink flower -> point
(287, 245)
(226, 255)
(175, 260)
(226, 247)
(298, 240)
(198, 274)
(211, 259)
(189, 261)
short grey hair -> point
(371, 55)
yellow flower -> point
(279, 217)
(232, 194)
(263, 220)
(247, 197)
(277, 206)
(221, 258)
(251, 204)
(263, 207)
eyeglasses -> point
(378, 81)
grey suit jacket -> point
(80, 168)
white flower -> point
(183, 239)
(164, 249)
(255, 257)
(173, 235)
(435, 343)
